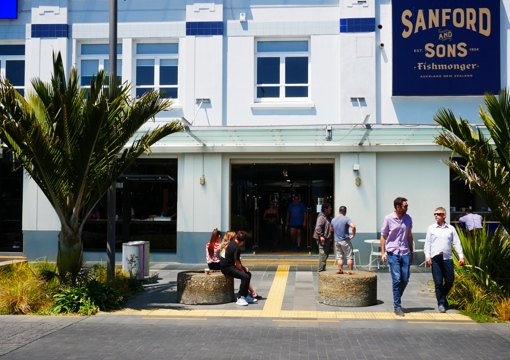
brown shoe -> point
(340, 271)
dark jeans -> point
(245, 278)
(443, 275)
(399, 269)
(214, 266)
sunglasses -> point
(438, 214)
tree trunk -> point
(70, 255)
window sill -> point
(283, 105)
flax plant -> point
(487, 258)
(487, 171)
(75, 143)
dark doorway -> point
(11, 199)
(254, 186)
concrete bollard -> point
(201, 288)
(352, 288)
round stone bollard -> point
(201, 288)
(352, 288)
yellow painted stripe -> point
(174, 318)
(443, 322)
(273, 304)
(310, 321)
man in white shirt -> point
(471, 221)
(438, 254)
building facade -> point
(331, 100)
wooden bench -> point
(201, 288)
(352, 288)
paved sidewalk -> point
(300, 295)
(154, 326)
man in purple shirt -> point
(397, 249)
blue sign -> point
(9, 9)
(446, 47)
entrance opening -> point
(255, 187)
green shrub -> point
(92, 293)
(487, 258)
(482, 285)
(35, 288)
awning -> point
(346, 138)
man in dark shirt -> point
(230, 265)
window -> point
(157, 68)
(12, 65)
(282, 70)
(95, 57)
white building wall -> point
(359, 200)
(420, 177)
(222, 68)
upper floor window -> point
(12, 65)
(95, 57)
(282, 70)
(157, 66)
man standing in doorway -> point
(341, 225)
(397, 249)
(438, 254)
(296, 221)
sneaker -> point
(241, 301)
(250, 300)
(441, 308)
(399, 312)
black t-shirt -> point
(230, 256)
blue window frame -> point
(95, 57)
(282, 70)
(157, 67)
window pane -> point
(268, 92)
(282, 46)
(141, 91)
(157, 48)
(88, 69)
(107, 69)
(296, 70)
(296, 91)
(169, 93)
(15, 72)
(98, 49)
(144, 72)
(12, 49)
(268, 70)
(168, 75)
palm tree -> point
(487, 170)
(75, 143)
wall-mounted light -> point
(355, 168)
(242, 17)
(285, 173)
(329, 133)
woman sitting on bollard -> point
(213, 249)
